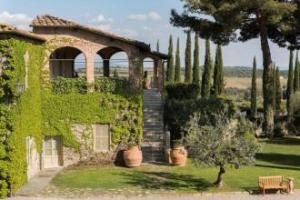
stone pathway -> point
(205, 196)
(38, 183)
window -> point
(102, 138)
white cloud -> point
(19, 19)
(101, 22)
(101, 18)
(138, 17)
(146, 28)
(152, 15)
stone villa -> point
(71, 39)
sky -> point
(144, 20)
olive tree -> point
(225, 142)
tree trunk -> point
(268, 91)
(219, 181)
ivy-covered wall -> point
(38, 111)
(60, 112)
(22, 110)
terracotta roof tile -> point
(48, 20)
(52, 21)
(7, 27)
(7, 31)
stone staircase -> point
(153, 145)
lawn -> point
(278, 157)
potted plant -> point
(133, 156)
(178, 154)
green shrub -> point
(177, 112)
(63, 85)
(112, 85)
(182, 91)
(295, 107)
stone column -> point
(160, 75)
(90, 67)
(135, 71)
(155, 77)
(106, 70)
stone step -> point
(157, 136)
(152, 129)
(155, 126)
(152, 144)
(153, 120)
(158, 132)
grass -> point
(278, 157)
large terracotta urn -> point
(133, 156)
(178, 156)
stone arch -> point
(62, 62)
(107, 53)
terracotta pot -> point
(133, 157)
(178, 156)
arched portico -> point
(107, 53)
(62, 62)
(73, 39)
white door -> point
(52, 152)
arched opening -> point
(112, 62)
(149, 68)
(67, 62)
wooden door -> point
(52, 152)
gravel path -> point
(222, 196)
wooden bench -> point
(272, 182)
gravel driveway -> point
(222, 196)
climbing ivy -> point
(40, 111)
(20, 110)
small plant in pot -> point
(178, 154)
(133, 156)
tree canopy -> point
(222, 20)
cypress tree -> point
(278, 94)
(254, 91)
(196, 66)
(268, 20)
(206, 76)
(177, 63)
(273, 91)
(218, 86)
(296, 75)
(188, 59)
(290, 85)
(157, 46)
(170, 67)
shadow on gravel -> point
(167, 181)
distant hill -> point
(245, 72)
(229, 71)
